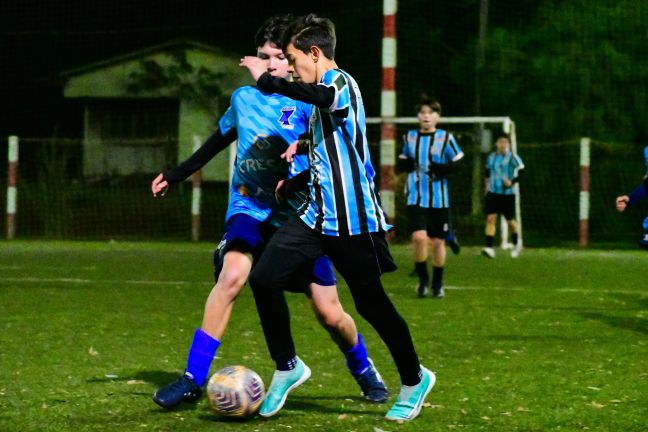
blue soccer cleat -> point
(283, 382)
(182, 389)
(372, 385)
(410, 399)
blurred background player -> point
(429, 155)
(261, 140)
(342, 219)
(502, 173)
(635, 196)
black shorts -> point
(295, 248)
(435, 221)
(500, 204)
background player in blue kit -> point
(429, 155)
(264, 124)
(502, 173)
(342, 218)
(635, 196)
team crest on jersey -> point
(286, 114)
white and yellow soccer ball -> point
(235, 391)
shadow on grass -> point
(639, 302)
(628, 323)
(304, 404)
(157, 378)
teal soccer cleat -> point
(410, 399)
(283, 382)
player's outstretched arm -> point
(315, 94)
(216, 143)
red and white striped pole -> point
(196, 181)
(388, 109)
(12, 192)
(584, 199)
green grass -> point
(555, 340)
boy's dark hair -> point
(503, 135)
(272, 30)
(426, 100)
(311, 30)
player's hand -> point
(159, 185)
(507, 182)
(291, 151)
(255, 65)
(281, 191)
(622, 202)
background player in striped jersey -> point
(342, 218)
(502, 173)
(264, 124)
(429, 155)
(635, 196)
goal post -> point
(506, 124)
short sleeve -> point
(517, 162)
(406, 147)
(338, 82)
(227, 121)
(452, 150)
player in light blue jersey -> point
(343, 218)
(429, 155)
(264, 124)
(638, 194)
(502, 174)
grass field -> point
(556, 340)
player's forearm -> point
(639, 193)
(516, 179)
(405, 164)
(443, 169)
(318, 95)
(216, 143)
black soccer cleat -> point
(372, 385)
(183, 389)
(454, 244)
(421, 290)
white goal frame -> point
(508, 126)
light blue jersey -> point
(503, 167)
(343, 199)
(440, 147)
(266, 124)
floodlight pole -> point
(388, 109)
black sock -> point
(287, 365)
(422, 271)
(437, 278)
(490, 241)
(514, 239)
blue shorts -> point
(245, 234)
(323, 273)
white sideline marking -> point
(153, 282)
(87, 281)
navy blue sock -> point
(514, 239)
(286, 365)
(356, 358)
(490, 241)
(201, 354)
(437, 277)
(422, 271)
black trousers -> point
(360, 260)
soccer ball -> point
(235, 391)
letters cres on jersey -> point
(266, 124)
